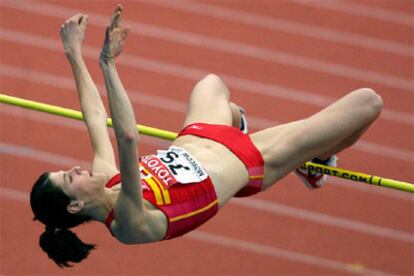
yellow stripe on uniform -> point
(195, 212)
(256, 176)
(164, 191)
(156, 190)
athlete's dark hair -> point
(49, 204)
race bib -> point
(174, 165)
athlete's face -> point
(77, 183)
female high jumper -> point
(165, 195)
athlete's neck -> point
(99, 207)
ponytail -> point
(63, 246)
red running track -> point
(283, 61)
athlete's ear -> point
(75, 206)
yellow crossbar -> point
(168, 135)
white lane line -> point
(163, 103)
(228, 46)
(14, 194)
(246, 246)
(195, 74)
(273, 23)
(267, 250)
(324, 219)
(385, 151)
(162, 144)
(43, 156)
(280, 209)
(364, 11)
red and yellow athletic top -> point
(178, 186)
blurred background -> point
(283, 61)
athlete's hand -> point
(72, 33)
(114, 36)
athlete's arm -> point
(132, 219)
(72, 34)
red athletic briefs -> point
(186, 206)
(240, 144)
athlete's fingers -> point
(74, 18)
(83, 20)
(125, 33)
(116, 17)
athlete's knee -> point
(370, 100)
(212, 83)
(211, 77)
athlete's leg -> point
(314, 180)
(286, 147)
(346, 143)
(236, 114)
(209, 102)
(239, 117)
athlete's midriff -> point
(186, 205)
(240, 145)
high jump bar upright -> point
(168, 135)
